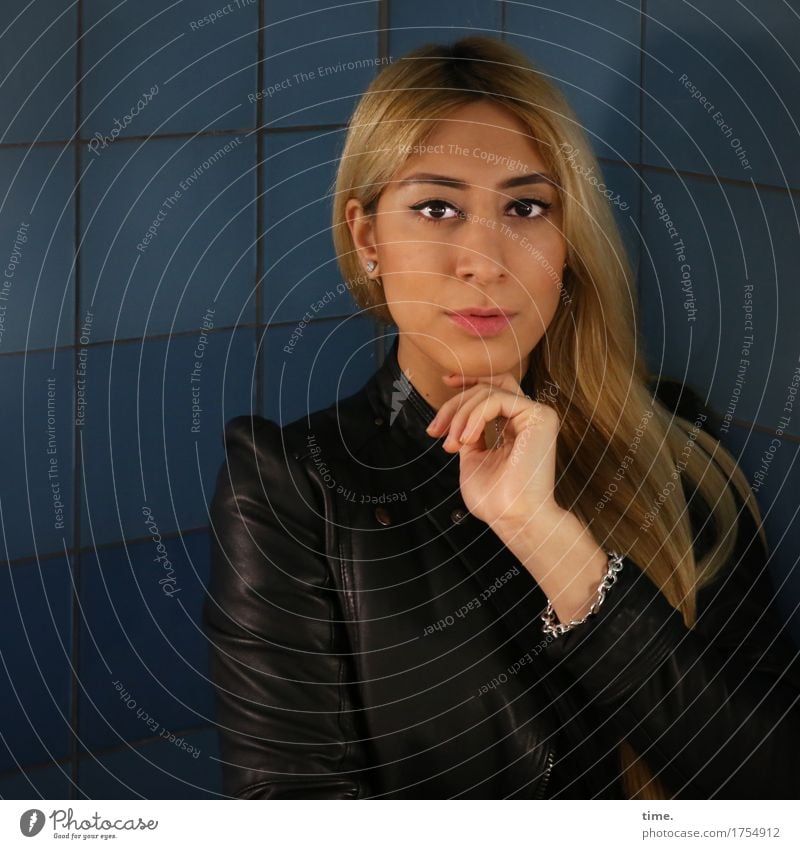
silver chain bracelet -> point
(609, 579)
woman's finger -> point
(501, 380)
(496, 404)
(453, 419)
(486, 404)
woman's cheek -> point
(405, 306)
(543, 303)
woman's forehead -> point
(470, 168)
(465, 147)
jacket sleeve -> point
(279, 654)
(714, 709)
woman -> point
(501, 569)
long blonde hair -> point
(621, 454)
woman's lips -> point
(481, 325)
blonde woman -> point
(502, 569)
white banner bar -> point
(230, 824)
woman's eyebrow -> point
(453, 183)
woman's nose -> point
(482, 256)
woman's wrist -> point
(563, 557)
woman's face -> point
(467, 222)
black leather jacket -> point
(371, 638)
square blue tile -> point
(319, 59)
(36, 488)
(155, 770)
(592, 51)
(169, 230)
(37, 231)
(139, 446)
(699, 330)
(722, 95)
(772, 465)
(48, 782)
(417, 22)
(328, 360)
(299, 259)
(167, 68)
(35, 678)
(143, 657)
(37, 96)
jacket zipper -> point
(545, 779)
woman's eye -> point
(529, 208)
(436, 206)
(526, 206)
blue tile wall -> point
(700, 321)
(165, 209)
(591, 50)
(300, 264)
(319, 57)
(183, 241)
(143, 664)
(37, 484)
(35, 629)
(37, 92)
(48, 782)
(184, 768)
(37, 221)
(153, 431)
(328, 359)
(153, 67)
(417, 22)
(721, 89)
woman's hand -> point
(513, 482)
(511, 487)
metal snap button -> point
(379, 421)
(458, 515)
(382, 515)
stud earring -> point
(371, 265)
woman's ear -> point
(362, 230)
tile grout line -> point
(177, 533)
(135, 743)
(309, 128)
(180, 334)
(640, 154)
(258, 365)
(75, 565)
